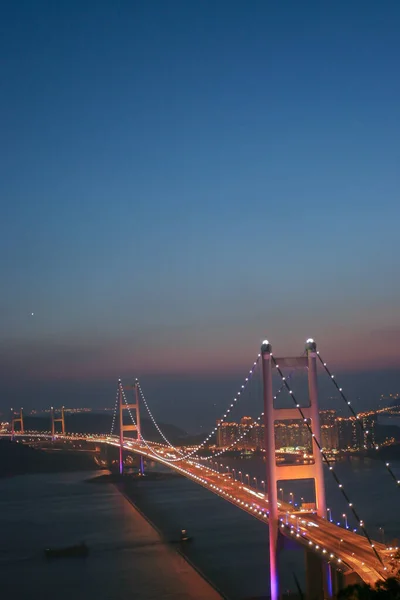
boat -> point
(79, 550)
(184, 536)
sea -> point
(229, 546)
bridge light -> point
(266, 347)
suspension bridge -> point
(330, 549)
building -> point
(329, 430)
(369, 422)
(337, 433)
(227, 433)
(357, 433)
(348, 433)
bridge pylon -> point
(55, 420)
(276, 472)
(17, 419)
(131, 426)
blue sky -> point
(181, 179)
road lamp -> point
(281, 491)
(217, 466)
(248, 478)
(302, 502)
(340, 544)
(263, 484)
(291, 501)
(345, 520)
(234, 474)
(241, 476)
(328, 510)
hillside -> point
(101, 423)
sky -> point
(180, 180)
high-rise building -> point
(349, 438)
(258, 436)
(227, 433)
(292, 433)
(344, 433)
(367, 435)
(329, 429)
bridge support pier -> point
(319, 580)
(342, 580)
(141, 465)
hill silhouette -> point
(92, 422)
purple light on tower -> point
(121, 430)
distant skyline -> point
(180, 180)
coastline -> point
(173, 546)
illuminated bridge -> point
(329, 548)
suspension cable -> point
(358, 420)
(244, 434)
(220, 421)
(152, 418)
(115, 413)
(142, 439)
(327, 461)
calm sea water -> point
(229, 546)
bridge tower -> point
(276, 473)
(17, 419)
(131, 426)
(55, 420)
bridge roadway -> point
(353, 553)
(343, 548)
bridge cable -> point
(220, 421)
(141, 438)
(152, 418)
(152, 449)
(238, 439)
(153, 452)
(358, 420)
(328, 462)
(115, 413)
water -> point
(229, 546)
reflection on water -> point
(229, 546)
